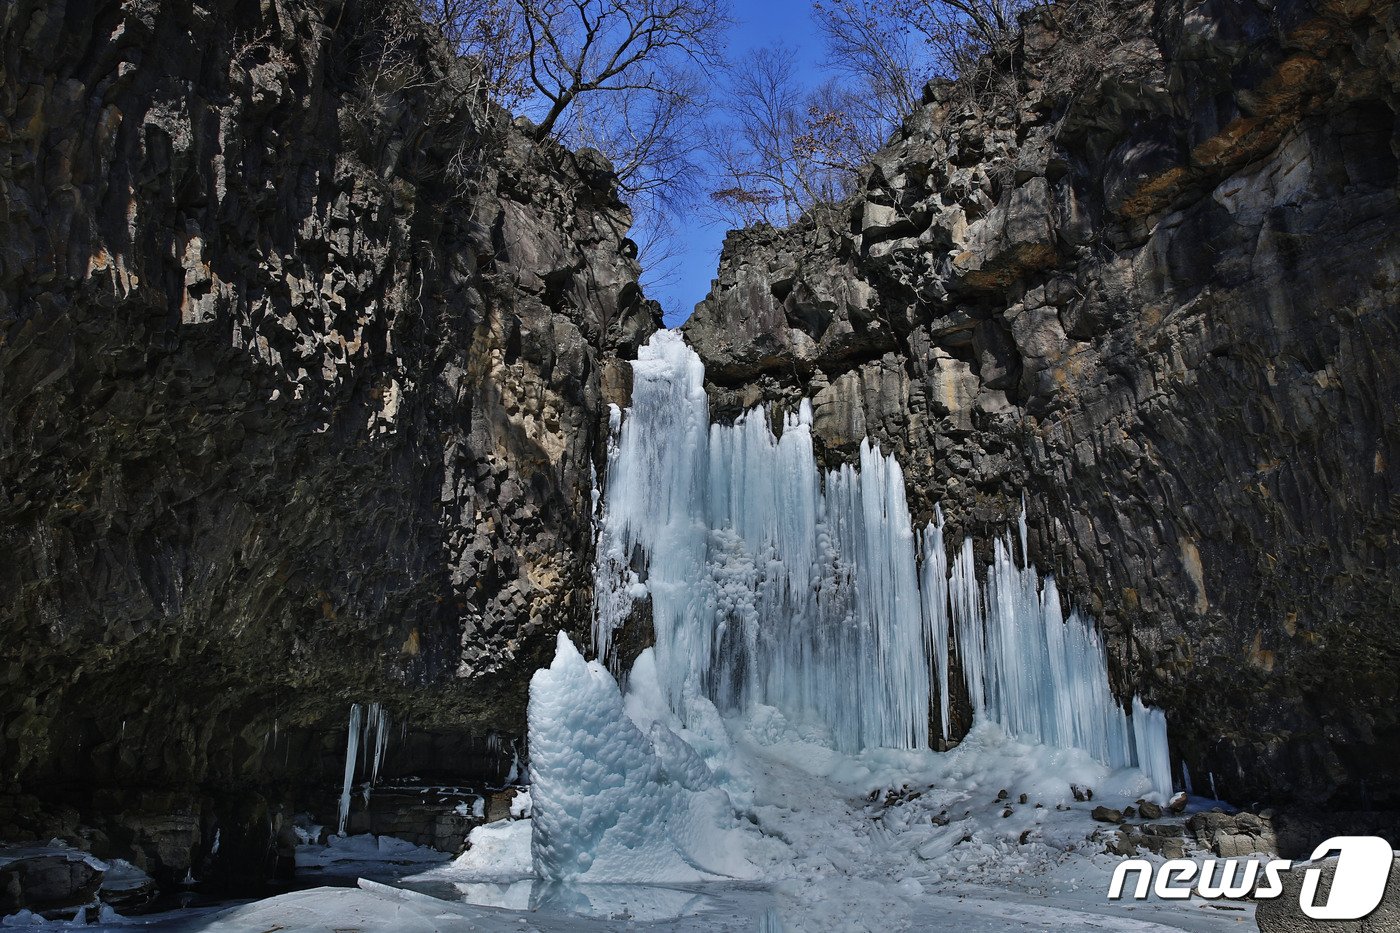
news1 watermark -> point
(1358, 882)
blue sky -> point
(756, 25)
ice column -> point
(610, 804)
(654, 502)
(965, 603)
(770, 582)
(358, 735)
(1150, 738)
(352, 753)
(933, 593)
(1040, 675)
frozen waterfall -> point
(774, 582)
(1040, 675)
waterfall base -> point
(627, 791)
(986, 837)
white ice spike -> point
(352, 754)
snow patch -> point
(497, 850)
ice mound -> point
(497, 850)
(679, 761)
(607, 806)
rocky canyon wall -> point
(303, 351)
(1163, 305)
(305, 354)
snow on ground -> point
(851, 863)
(371, 906)
(499, 850)
(981, 839)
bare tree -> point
(584, 47)
(491, 34)
(619, 76)
(628, 78)
(624, 77)
(648, 134)
(782, 149)
(873, 49)
(960, 32)
(889, 48)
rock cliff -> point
(305, 353)
(303, 356)
(1161, 304)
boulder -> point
(1233, 835)
(47, 878)
(1149, 810)
(1107, 815)
(1164, 839)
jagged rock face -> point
(302, 381)
(1164, 308)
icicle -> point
(933, 593)
(1021, 527)
(1186, 778)
(1150, 740)
(965, 600)
(1042, 676)
(352, 753)
(379, 717)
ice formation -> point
(498, 850)
(933, 590)
(1040, 675)
(352, 754)
(359, 731)
(764, 576)
(773, 583)
(606, 806)
(379, 721)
